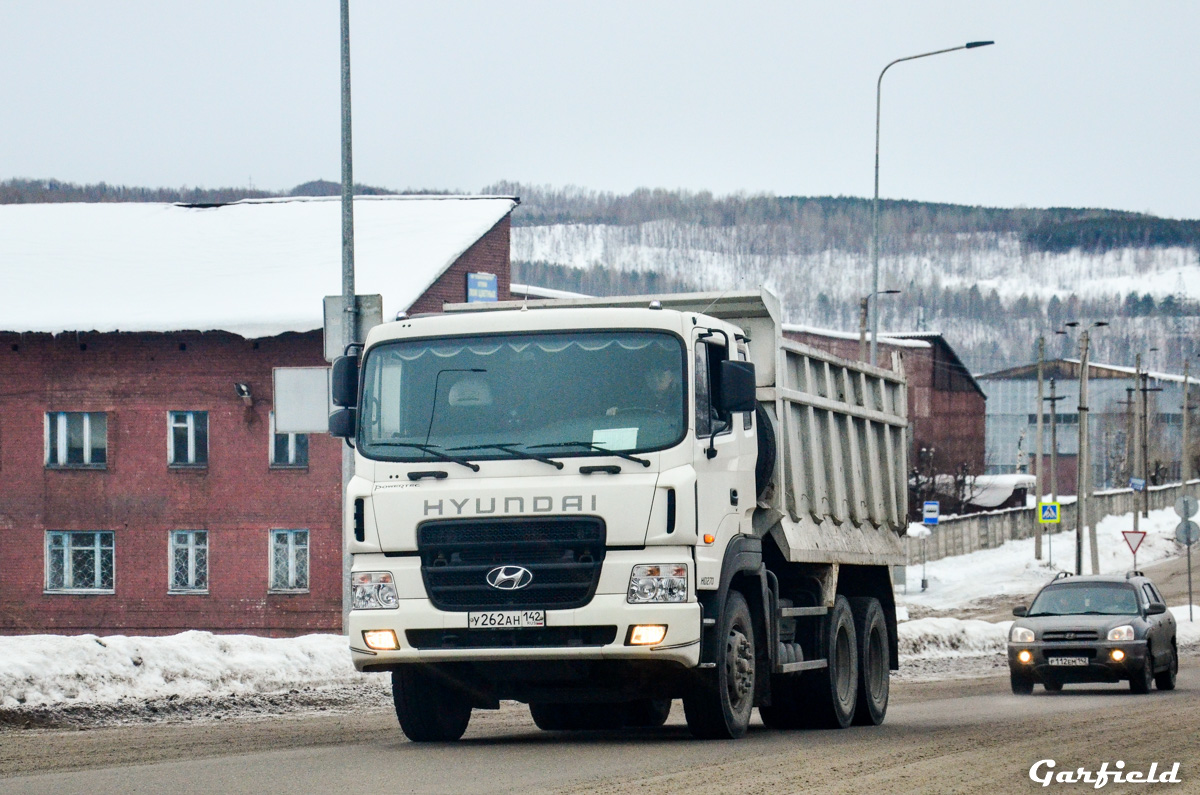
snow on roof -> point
(884, 337)
(533, 291)
(255, 268)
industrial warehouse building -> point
(145, 489)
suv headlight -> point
(1123, 632)
(658, 582)
(1021, 635)
(373, 590)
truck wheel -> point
(831, 694)
(430, 710)
(1022, 685)
(1165, 680)
(576, 717)
(874, 676)
(648, 712)
(720, 700)
(764, 466)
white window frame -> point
(189, 422)
(292, 547)
(56, 455)
(291, 449)
(192, 546)
(69, 585)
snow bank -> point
(951, 637)
(1011, 569)
(50, 669)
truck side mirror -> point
(1020, 612)
(342, 422)
(344, 381)
(735, 388)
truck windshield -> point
(510, 396)
(1085, 599)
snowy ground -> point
(52, 680)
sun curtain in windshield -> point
(546, 394)
(1090, 599)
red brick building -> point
(144, 490)
(947, 409)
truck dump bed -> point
(839, 493)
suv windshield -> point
(508, 396)
(1108, 599)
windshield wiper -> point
(597, 447)
(508, 447)
(433, 451)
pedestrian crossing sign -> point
(1049, 513)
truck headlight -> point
(658, 582)
(1021, 635)
(1123, 632)
(373, 590)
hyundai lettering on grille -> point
(509, 578)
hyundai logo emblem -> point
(509, 578)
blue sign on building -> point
(481, 287)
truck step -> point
(807, 665)
(796, 612)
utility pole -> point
(1146, 389)
(1082, 479)
(1053, 399)
(349, 303)
(1037, 469)
(863, 303)
(1137, 443)
(1184, 461)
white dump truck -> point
(597, 506)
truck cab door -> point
(723, 490)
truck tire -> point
(874, 676)
(551, 717)
(429, 709)
(720, 700)
(830, 695)
(648, 713)
(764, 466)
(785, 710)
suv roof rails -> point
(1063, 574)
(1129, 575)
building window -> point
(187, 438)
(289, 560)
(76, 439)
(288, 449)
(79, 561)
(189, 560)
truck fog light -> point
(373, 590)
(658, 582)
(646, 635)
(1118, 655)
(380, 639)
(1024, 656)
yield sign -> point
(1134, 539)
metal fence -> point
(961, 535)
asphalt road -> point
(956, 736)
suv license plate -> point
(1067, 660)
(506, 619)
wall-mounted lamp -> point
(243, 391)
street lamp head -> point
(1099, 323)
(1071, 323)
(889, 292)
(973, 44)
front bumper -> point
(596, 631)
(1100, 667)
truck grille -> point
(542, 637)
(564, 555)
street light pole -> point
(1037, 470)
(863, 305)
(875, 204)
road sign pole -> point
(1190, 599)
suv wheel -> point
(1022, 685)
(1165, 680)
(1142, 680)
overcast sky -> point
(1077, 104)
